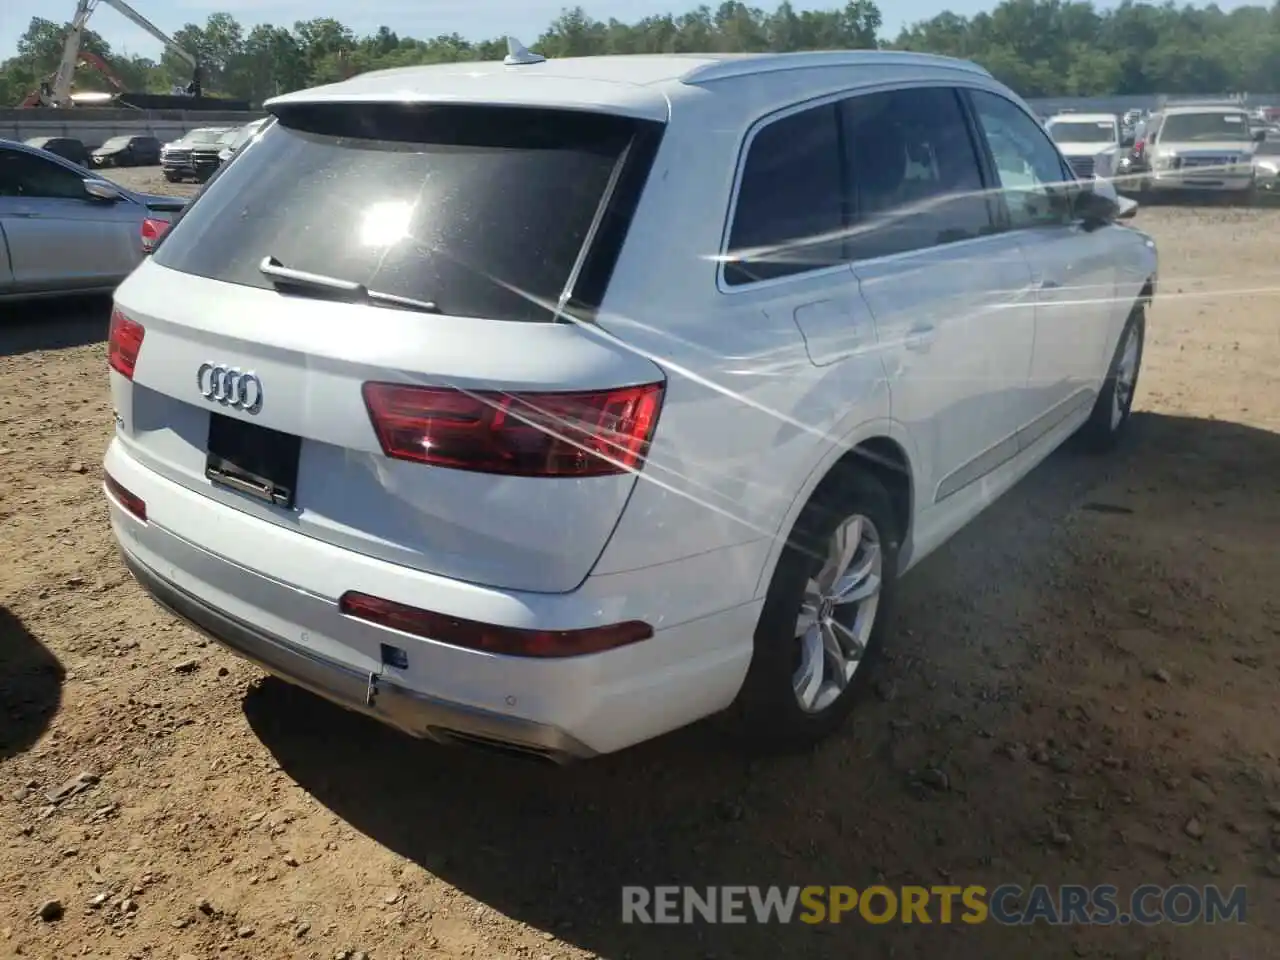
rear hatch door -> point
(419, 247)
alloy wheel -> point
(837, 614)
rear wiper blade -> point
(277, 271)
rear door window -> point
(484, 211)
(914, 170)
(790, 208)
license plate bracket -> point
(254, 460)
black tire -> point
(767, 712)
(171, 176)
(1104, 429)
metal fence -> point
(1047, 106)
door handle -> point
(920, 339)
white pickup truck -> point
(1089, 141)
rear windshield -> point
(1076, 131)
(204, 136)
(483, 211)
(1205, 126)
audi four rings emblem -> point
(230, 386)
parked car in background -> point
(885, 298)
(69, 148)
(193, 156)
(1200, 149)
(1132, 169)
(130, 151)
(240, 137)
(1266, 168)
(1089, 141)
(65, 230)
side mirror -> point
(101, 191)
(1096, 203)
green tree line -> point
(1039, 47)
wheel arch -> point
(882, 448)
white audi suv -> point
(552, 405)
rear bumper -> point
(369, 693)
(270, 594)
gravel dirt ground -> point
(1082, 689)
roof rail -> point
(749, 64)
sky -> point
(473, 19)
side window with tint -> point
(1032, 178)
(790, 206)
(916, 181)
(32, 177)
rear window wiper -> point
(344, 289)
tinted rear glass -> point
(482, 210)
(1076, 131)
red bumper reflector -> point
(472, 635)
(134, 504)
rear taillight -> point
(521, 434)
(129, 501)
(152, 231)
(487, 637)
(123, 343)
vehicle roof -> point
(640, 85)
(1085, 117)
(208, 130)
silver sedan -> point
(64, 230)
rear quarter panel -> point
(748, 416)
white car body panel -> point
(959, 356)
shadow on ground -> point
(53, 324)
(553, 847)
(30, 686)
